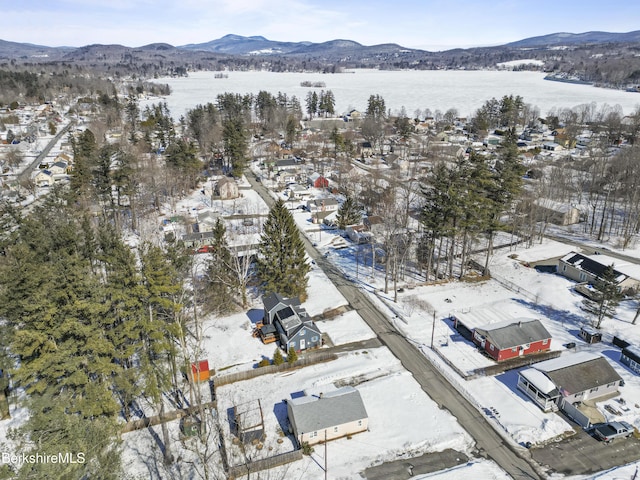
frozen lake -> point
(440, 90)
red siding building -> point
(503, 340)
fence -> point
(515, 363)
(516, 288)
(576, 415)
(264, 464)
(310, 359)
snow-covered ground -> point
(392, 398)
(404, 422)
(547, 297)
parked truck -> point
(609, 431)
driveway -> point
(582, 454)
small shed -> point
(590, 335)
(200, 371)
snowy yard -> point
(391, 396)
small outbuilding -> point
(630, 356)
(590, 335)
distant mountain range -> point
(238, 45)
(601, 58)
(258, 45)
(568, 39)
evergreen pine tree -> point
(53, 300)
(221, 280)
(292, 356)
(282, 262)
(277, 357)
(606, 297)
(349, 213)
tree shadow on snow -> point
(563, 316)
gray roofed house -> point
(586, 377)
(577, 377)
(273, 303)
(329, 415)
(327, 204)
(286, 164)
(294, 326)
(513, 338)
(226, 188)
(197, 239)
(207, 220)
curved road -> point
(516, 463)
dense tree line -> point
(40, 83)
(93, 330)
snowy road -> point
(488, 441)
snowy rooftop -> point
(565, 361)
(539, 379)
(485, 317)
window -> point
(314, 339)
(545, 341)
(612, 384)
(359, 423)
(527, 346)
(302, 332)
(313, 434)
(593, 390)
(513, 349)
(335, 429)
(491, 347)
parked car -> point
(612, 430)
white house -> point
(567, 380)
(327, 415)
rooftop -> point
(336, 407)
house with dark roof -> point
(318, 205)
(327, 416)
(274, 302)
(589, 269)
(567, 380)
(286, 164)
(294, 328)
(511, 339)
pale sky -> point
(426, 24)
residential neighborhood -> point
(333, 302)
